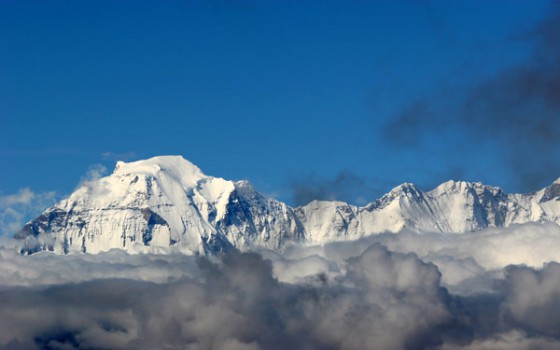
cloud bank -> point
(392, 291)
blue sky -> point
(338, 99)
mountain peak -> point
(404, 187)
(173, 166)
(458, 185)
(167, 203)
(551, 192)
(452, 184)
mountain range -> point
(167, 204)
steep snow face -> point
(326, 221)
(161, 204)
(452, 207)
(251, 220)
(167, 204)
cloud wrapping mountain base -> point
(236, 303)
(394, 291)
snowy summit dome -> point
(175, 167)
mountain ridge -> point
(167, 204)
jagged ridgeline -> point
(167, 204)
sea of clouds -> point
(494, 289)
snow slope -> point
(167, 204)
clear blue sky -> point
(283, 93)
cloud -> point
(95, 172)
(124, 156)
(40, 152)
(523, 314)
(532, 299)
(515, 112)
(505, 341)
(24, 196)
(90, 183)
(17, 208)
(468, 262)
(397, 291)
(233, 302)
(345, 186)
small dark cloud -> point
(408, 126)
(345, 186)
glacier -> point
(167, 204)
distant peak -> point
(321, 204)
(450, 186)
(454, 184)
(406, 189)
(551, 192)
(404, 186)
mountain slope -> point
(168, 204)
(161, 203)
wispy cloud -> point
(90, 180)
(345, 186)
(17, 208)
(114, 156)
(95, 172)
(40, 152)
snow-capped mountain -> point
(168, 204)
